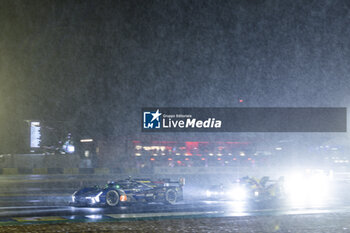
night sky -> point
(94, 64)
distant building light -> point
(278, 148)
(86, 153)
(219, 154)
(87, 140)
(229, 154)
(137, 154)
(152, 159)
(211, 154)
(138, 147)
(177, 153)
(203, 158)
(35, 135)
(163, 153)
(35, 123)
(241, 153)
(155, 154)
(162, 148)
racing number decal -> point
(123, 198)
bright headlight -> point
(208, 193)
(238, 193)
(73, 196)
(70, 149)
(310, 189)
(97, 197)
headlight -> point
(238, 193)
(208, 193)
(97, 197)
(307, 189)
(73, 196)
(70, 149)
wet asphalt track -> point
(38, 196)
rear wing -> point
(181, 182)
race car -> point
(130, 191)
(247, 189)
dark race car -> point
(130, 191)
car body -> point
(130, 191)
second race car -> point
(248, 188)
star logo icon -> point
(156, 115)
(151, 119)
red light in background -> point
(170, 159)
(219, 158)
(241, 100)
(152, 159)
(203, 158)
(179, 162)
(249, 158)
(234, 159)
(190, 147)
(186, 159)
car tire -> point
(170, 196)
(112, 198)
